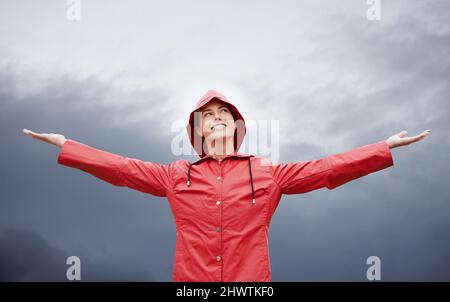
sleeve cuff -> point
(386, 153)
(66, 150)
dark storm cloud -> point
(27, 256)
(401, 214)
(373, 80)
(72, 208)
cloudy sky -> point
(127, 73)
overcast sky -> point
(120, 77)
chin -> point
(220, 135)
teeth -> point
(212, 128)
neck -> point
(220, 148)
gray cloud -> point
(27, 256)
(334, 80)
(109, 223)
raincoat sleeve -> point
(117, 170)
(332, 171)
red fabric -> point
(242, 240)
(221, 234)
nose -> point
(217, 116)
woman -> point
(223, 203)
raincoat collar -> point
(234, 154)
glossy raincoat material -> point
(223, 209)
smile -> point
(222, 124)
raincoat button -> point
(218, 258)
(218, 203)
(218, 229)
(219, 178)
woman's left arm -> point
(338, 169)
(400, 139)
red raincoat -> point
(222, 209)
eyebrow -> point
(206, 110)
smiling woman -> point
(224, 202)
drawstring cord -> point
(251, 180)
(189, 175)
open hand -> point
(400, 139)
(51, 138)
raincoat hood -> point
(196, 140)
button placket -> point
(218, 227)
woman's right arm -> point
(115, 169)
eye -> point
(224, 109)
(207, 113)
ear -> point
(198, 130)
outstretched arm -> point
(115, 169)
(338, 169)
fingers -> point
(30, 133)
(422, 135)
(40, 136)
(417, 137)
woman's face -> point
(216, 121)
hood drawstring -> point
(188, 183)
(189, 175)
(251, 180)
